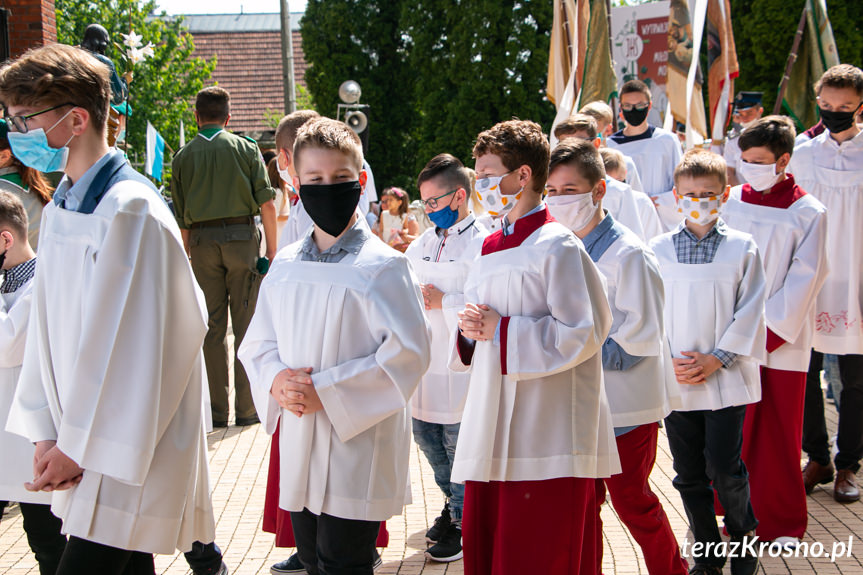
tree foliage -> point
(764, 33)
(163, 86)
(435, 72)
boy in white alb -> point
(655, 151)
(336, 347)
(536, 429)
(637, 366)
(714, 320)
(830, 167)
(604, 116)
(442, 257)
(18, 262)
(790, 228)
(621, 200)
(111, 388)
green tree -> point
(764, 32)
(164, 85)
(363, 41)
(476, 63)
(435, 72)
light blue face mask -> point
(33, 150)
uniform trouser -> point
(706, 447)
(223, 259)
(849, 440)
(771, 451)
(82, 556)
(329, 545)
(438, 441)
(638, 506)
(43, 534)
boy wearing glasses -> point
(442, 257)
(111, 387)
(656, 152)
(714, 321)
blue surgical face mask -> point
(444, 218)
(33, 150)
(121, 136)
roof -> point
(248, 66)
(270, 22)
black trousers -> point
(84, 556)
(43, 535)
(330, 545)
(706, 447)
(849, 441)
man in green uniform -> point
(219, 184)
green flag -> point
(816, 55)
(599, 81)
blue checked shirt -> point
(16, 277)
(691, 250)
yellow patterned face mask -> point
(700, 211)
(495, 203)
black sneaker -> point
(291, 566)
(702, 569)
(441, 524)
(745, 562)
(448, 548)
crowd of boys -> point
(532, 353)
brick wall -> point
(32, 23)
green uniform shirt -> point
(218, 175)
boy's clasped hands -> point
(53, 469)
(695, 368)
(478, 322)
(294, 390)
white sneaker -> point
(787, 542)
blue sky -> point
(227, 6)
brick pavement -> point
(238, 461)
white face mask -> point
(760, 176)
(574, 211)
(284, 173)
(700, 211)
(495, 203)
(747, 125)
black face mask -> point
(635, 117)
(331, 206)
(837, 122)
(2, 259)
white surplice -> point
(717, 305)
(536, 407)
(359, 325)
(656, 158)
(113, 371)
(17, 451)
(833, 173)
(619, 200)
(792, 242)
(648, 391)
(444, 262)
(633, 178)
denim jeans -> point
(438, 441)
(706, 447)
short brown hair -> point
(56, 74)
(776, 133)
(13, 215)
(634, 86)
(449, 170)
(600, 111)
(213, 104)
(577, 123)
(582, 155)
(842, 76)
(697, 163)
(328, 134)
(612, 159)
(286, 132)
(517, 143)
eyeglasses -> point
(640, 107)
(431, 203)
(19, 123)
